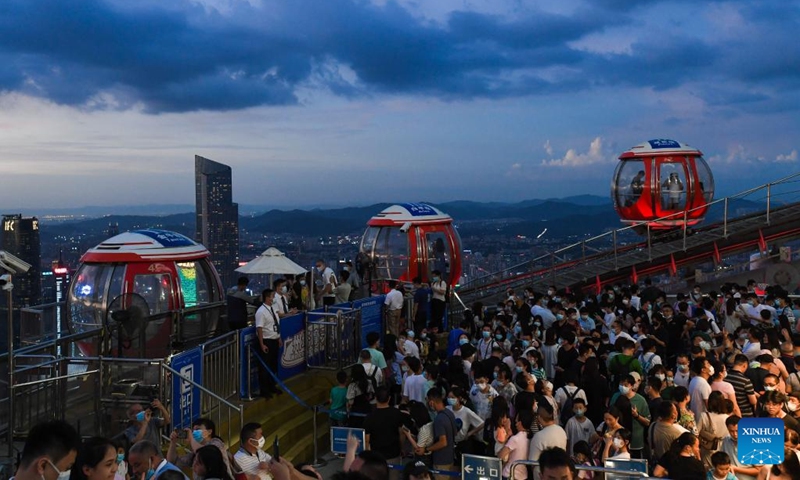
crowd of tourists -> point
(557, 378)
(628, 374)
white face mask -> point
(260, 442)
(61, 475)
(618, 443)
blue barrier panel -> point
(185, 396)
(477, 467)
(247, 337)
(339, 439)
(293, 354)
(371, 316)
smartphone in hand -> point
(275, 450)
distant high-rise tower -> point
(21, 239)
(217, 216)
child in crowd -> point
(338, 401)
(721, 467)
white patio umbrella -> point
(271, 262)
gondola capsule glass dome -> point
(662, 178)
(142, 287)
(409, 240)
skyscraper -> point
(21, 239)
(217, 216)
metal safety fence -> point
(333, 339)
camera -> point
(12, 264)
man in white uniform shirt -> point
(328, 283)
(394, 305)
(268, 343)
(251, 457)
(281, 302)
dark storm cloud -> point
(182, 57)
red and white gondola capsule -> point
(169, 271)
(662, 178)
(412, 240)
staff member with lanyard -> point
(268, 336)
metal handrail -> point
(585, 468)
(50, 379)
(239, 408)
(476, 282)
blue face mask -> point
(451, 401)
(140, 416)
(487, 334)
(526, 343)
(519, 370)
(463, 341)
(150, 472)
(120, 457)
(498, 336)
(559, 317)
(517, 329)
(494, 375)
(197, 435)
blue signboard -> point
(663, 143)
(476, 467)
(185, 396)
(167, 238)
(293, 355)
(371, 316)
(419, 209)
(247, 337)
(339, 439)
(760, 441)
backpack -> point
(620, 370)
(647, 364)
(566, 411)
(373, 381)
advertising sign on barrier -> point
(371, 316)
(339, 439)
(185, 396)
(247, 337)
(293, 355)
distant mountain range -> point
(582, 214)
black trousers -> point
(265, 381)
(437, 313)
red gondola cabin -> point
(662, 178)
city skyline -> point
(217, 216)
(346, 102)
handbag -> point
(425, 436)
(712, 443)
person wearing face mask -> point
(635, 413)
(551, 434)
(664, 431)
(482, 394)
(143, 423)
(718, 384)
(444, 432)
(280, 302)
(468, 423)
(251, 457)
(516, 448)
(774, 402)
(343, 289)
(579, 427)
(147, 462)
(699, 388)
(438, 301)
(620, 442)
(201, 434)
(49, 452)
(682, 375)
(486, 343)
(742, 385)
